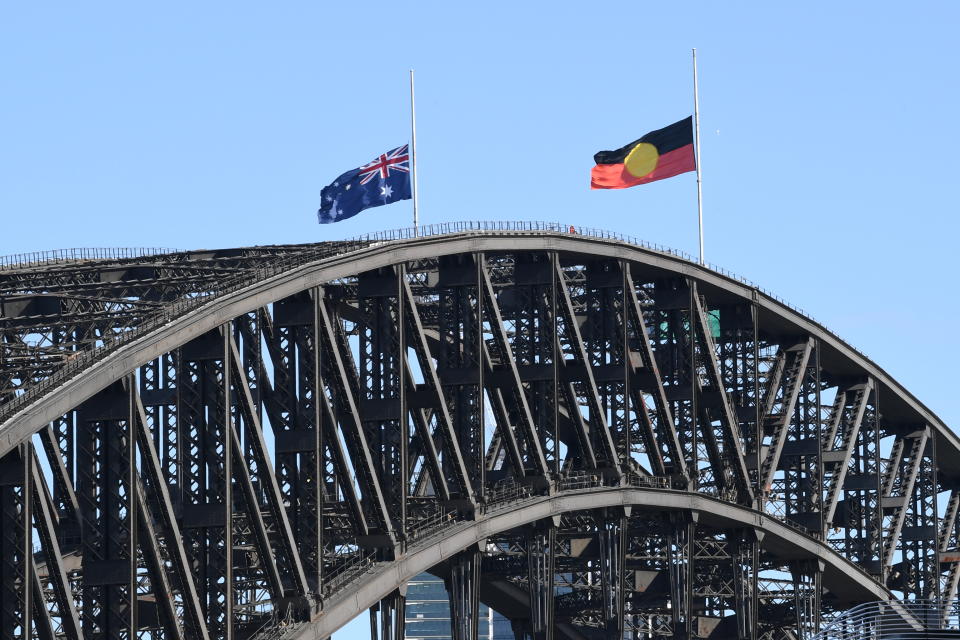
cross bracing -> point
(593, 437)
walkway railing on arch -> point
(531, 226)
(61, 256)
(896, 620)
(306, 255)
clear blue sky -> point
(828, 136)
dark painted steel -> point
(338, 414)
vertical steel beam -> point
(255, 520)
(348, 416)
(296, 580)
(314, 569)
(387, 617)
(681, 538)
(460, 367)
(382, 390)
(463, 587)
(282, 333)
(667, 437)
(537, 350)
(227, 442)
(613, 530)
(289, 488)
(600, 436)
(745, 567)
(925, 549)
(738, 355)
(541, 559)
(106, 472)
(716, 585)
(414, 337)
(803, 458)
(25, 530)
(536, 461)
(300, 415)
(16, 546)
(807, 591)
(205, 413)
(604, 335)
(732, 440)
(306, 527)
(861, 517)
(157, 494)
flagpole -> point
(696, 120)
(413, 156)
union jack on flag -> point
(396, 160)
(385, 180)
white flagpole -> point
(696, 120)
(413, 156)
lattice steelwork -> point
(596, 439)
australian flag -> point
(385, 180)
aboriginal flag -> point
(659, 154)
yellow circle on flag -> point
(641, 160)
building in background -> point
(428, 613)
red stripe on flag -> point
(616, 176)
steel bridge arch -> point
(15, 429)
(925, 454)
(840, 575)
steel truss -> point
(240, 482)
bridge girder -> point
(212, 445)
